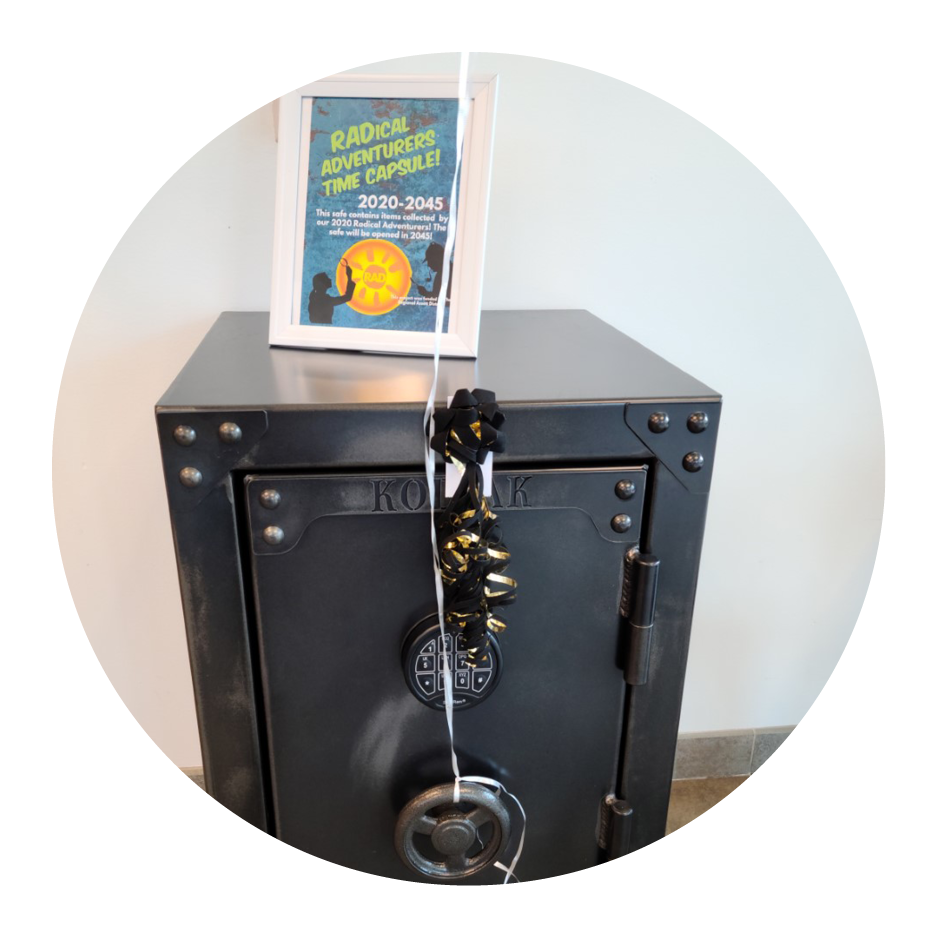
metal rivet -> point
(190, 477)
(184, 436)
(621, 524)
(229, 432)
(269, 498)
(693, 462)
(698, 422)
(273, 534)
(658, 422)
(625, 488)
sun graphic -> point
(381, 273)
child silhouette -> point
(434, 260)
(321, 304)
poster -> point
(379, 178)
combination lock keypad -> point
(425, 652)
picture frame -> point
(364, 180)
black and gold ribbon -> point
(473, 558)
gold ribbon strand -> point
(472, 557)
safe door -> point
(351, 664)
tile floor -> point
(690, 797)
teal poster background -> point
(380, 176)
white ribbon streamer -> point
(482, 780)
(430, 466)
(428, 422)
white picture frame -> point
(287, 327)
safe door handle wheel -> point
(432, 823)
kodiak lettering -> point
(392, 495)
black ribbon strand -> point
(472, 557)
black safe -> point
(299, 509)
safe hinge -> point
(637, 608)
(615, 825)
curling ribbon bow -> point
(472, 557)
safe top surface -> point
(540, 356)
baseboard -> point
(699, 755)
(727, 753)
(196, 773)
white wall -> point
(683, 244)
